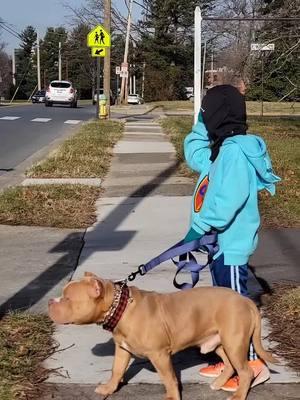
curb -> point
(62, 181)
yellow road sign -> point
(98, 51)
(98, 37)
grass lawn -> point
(25, 342)
(87, 154)
(60, 206)
(253, 107)
(285, 302)
(283, 140)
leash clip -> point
(140, 271)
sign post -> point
(197, 63)
(263, 48)
(118, 71)
(98, 39)
(98, 87)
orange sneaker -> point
(261, 374)
(212, 371)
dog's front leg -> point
(121, 361)
(163, 364)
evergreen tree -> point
(167, 46)
(49, 50)
(81, 66)
(26, 67)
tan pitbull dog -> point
(155, 326)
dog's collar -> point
(115, 312)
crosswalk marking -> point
(41, 120)
(7, 118)
(73, 121)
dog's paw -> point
(105, 389)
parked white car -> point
(61, 92)
(135, 99)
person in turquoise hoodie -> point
(233, 167)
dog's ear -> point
(95, 288)
(90, 274)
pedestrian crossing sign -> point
(98, 51)
(98, 37)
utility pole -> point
(14, 67)
(124, 85)
(197, 63)
(38, 62)
(107, 61)
(130, 79)
(212, 69)
(262, 85)
(59, 61)
(143, 79)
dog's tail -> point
(256, 338)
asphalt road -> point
(26, 129)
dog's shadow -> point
(182, 360)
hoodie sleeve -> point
(226, 193)
(196, 148)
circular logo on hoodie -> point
(200, 194)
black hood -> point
(224, 115)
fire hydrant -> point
(102, 106)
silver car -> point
(61, 92)
(135, 99)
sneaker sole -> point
(262, 377)
(208, 375)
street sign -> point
(98, 37)
(118, 70)
(262, 47)
(124, 67)
(98, 51)
(124, 74)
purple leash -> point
(186, 262)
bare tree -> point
(5, 71)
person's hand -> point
(192, 235)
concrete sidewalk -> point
(145, 209)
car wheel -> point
(75, 104)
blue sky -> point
(38, 13)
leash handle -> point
(184, 251)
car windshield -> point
(40, 93)
(61, 85)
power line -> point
(251, 19)
(9, 30)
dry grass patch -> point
(283, 312)
(174, 105)
(25, 342)
(283, 140)
(273, 108)
(87, 154)
(60, 206)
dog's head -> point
(82, 302)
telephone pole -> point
(107, 66)
(38, 62)
(59, 61)
(124, 85)
(14, 67)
